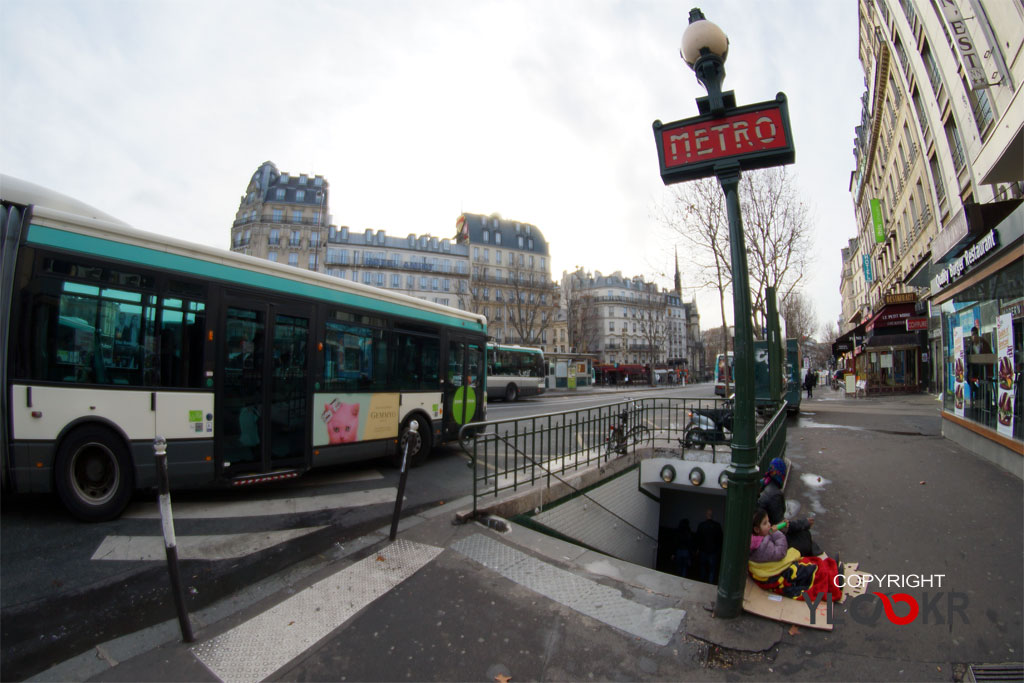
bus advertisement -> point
(723, 374)
(252, 371)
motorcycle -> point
(708, 427)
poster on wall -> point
(958, 371)
(347, 418)
(1007, 380)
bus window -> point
(355, 358)
(416, 362)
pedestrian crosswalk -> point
(260, 646)
(204, 547)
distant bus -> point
(253, 371)
(514, 371)
(723, 374)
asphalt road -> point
(65, 584)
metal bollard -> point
(170, 545)
(414, 426)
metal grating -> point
(593, 599)
(257, 648)
(1002, 673)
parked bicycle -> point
(628, 431)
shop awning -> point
(904, 339)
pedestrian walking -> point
(809, 383)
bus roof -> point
(514, 347)
(64, 223)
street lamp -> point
(704, 48)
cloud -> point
(159, 112)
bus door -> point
(464, 391)
(263, 406)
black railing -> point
(539, 451)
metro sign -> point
(755, 136)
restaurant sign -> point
(956, 268)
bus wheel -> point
(418, 440)
(511, 392)
(93, 474)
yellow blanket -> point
(762, 571)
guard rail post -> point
(170, 545)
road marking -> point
(252, 507)
(213, 547)
(587, 597)
(254, 650)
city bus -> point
(252, 371)
(723, 374)
(514, 371)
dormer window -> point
(284, 178)
(303, 179)
(487, 236)
(279, 194)
(300, 195)
(497, 237)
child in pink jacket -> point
(767, 543)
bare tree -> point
(776, 229)
(530, 301)
(581, 312)
(696, 216)
(797, 311)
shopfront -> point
(888, 358)
(978, 290)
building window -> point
(279, 194)
(312, 261)
(410, 281)
(314, 240)
(611, 325)
(497, 237)
(487, 255)
(296, 216)
(380, 279)
(445, 283)
(476, 253)
(423, 282)
(278, 215)
(293, 259)
(300, 195)
(275, 236)
(434, 284)
(272, 256)
(487, 236)
(318, 181)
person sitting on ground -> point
(767, 543)
(782, 570)
(798, 531)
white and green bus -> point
(514, 371)
(253, 371)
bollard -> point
(170, 546)
(414, 429)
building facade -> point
(509, 279)
(422, 266)
(938, 167)
(283, 218)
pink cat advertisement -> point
(347, 418)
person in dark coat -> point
(809, 382)
(798, 531)
(709, 547)
(686, 549)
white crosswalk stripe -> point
(267, 508)
(259, 647)
(210, 547)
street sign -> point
(755, 136)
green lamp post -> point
(723, 141)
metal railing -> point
(542, 450)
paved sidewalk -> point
(469, 602)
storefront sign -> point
(876, 220)
(1007, 388)
(901, 298)
(1014, 308)
(956, 268)
(754, 136)
(959, 35)
(917, 324)
(891, 316)
(868, 275)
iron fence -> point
(522, 453)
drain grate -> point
(981, 673)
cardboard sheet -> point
(758, 601)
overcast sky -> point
(159, 113)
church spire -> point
(678, 280)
